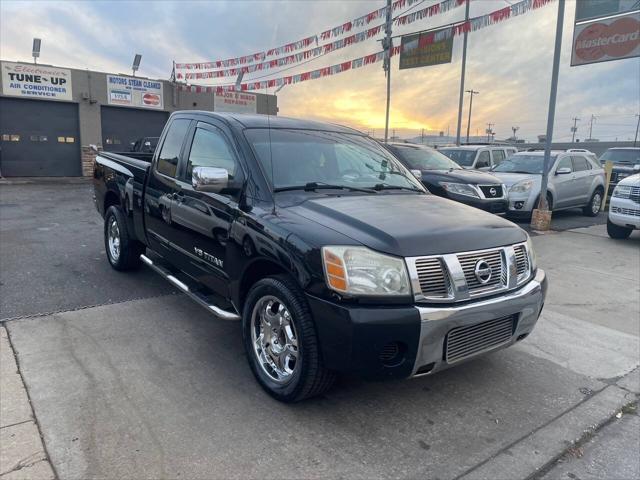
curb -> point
(527, 457)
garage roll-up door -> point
(39, 138)
(122, 126)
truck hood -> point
(410, 225)
(510, 179)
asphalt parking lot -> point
(128, 379)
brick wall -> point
(88, 159)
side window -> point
(580, 164)
(483, 160)
(498, 157)
(170, 153)
(565, 163)
(209, 149)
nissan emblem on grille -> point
(482, 271)
(493, 191)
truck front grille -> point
(635, 194)
(464, 342)
(498, 278)
(463, 276)
(626, 211)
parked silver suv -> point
(576, 179)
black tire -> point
(309, 378)
(618, 232)
(129, 249)
(588, 209)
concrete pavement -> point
(152, 387)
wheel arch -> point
(258, 269)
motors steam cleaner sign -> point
(134, 92)
(36, 81)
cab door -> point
(201, 221)
(564, 183)
(161, 186)
(583, 173)
(483, 160)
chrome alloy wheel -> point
(597, 203)
(113, 239)
(274, 339)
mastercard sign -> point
(607, 39)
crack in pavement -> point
(26, 462)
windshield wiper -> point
(311, 186)
(385, 186)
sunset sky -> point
(509, 63)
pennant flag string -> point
(473, 25)
(306, 42)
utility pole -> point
(422, 137)
(635, 140)
(545, 222)
(593, 117)
(462, 75)
(472, 92)
(393, 135)
(489, 131)
(515, 129)
(574, 129)
(386, 65)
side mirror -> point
(563, 171)
(209, 179)
(417, 174)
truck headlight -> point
(460, 189)
(622, 191)
(521, 187)
(361, 271)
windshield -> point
(420, 158)
(302, 157)
(463, 158)
(629, 157)
(524, 164)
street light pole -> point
(635, 140)
(472, 92)
(388, 45)
(543, 223)
(464, 67)
(593, 117)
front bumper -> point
(361, 339)
(491, 205)
(624, 212)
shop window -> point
(71, 139)
(5, 137)
(15, 138)
(34, 138)
(43, 138)
(60, 139)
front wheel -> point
(618, 232)
(122, 251)
(592, 209)
(281, 342)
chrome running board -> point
(199, 298)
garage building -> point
(50, 116)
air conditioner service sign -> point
(36, 81)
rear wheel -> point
(592, 209)
(122, 251)
(281, 342)
(618, 232)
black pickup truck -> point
(330, 252)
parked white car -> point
(624, 210)
(576, 179)
(480, 157)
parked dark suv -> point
(445, 178)
(626, 162)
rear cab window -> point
(169, 155)
(498, 156)
(483, 160)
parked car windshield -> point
(301, 157)
(628, 157)
(524, 164)
(462, 157)
(420, 158)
